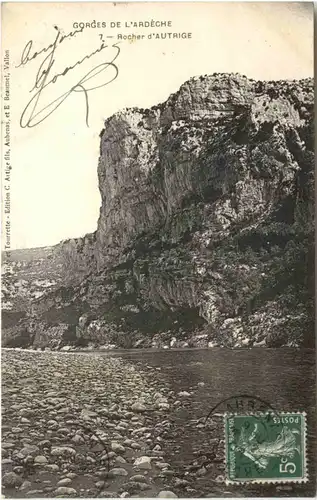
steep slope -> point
(26, 275)
(205, 233)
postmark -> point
(265, 448)
(241, 404)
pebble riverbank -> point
(135, 425)
(76, 425)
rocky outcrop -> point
(77, 258)
(154, 161)
(205, 233)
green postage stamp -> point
(265, 447)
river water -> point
(282, 378)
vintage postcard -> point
(157, 250)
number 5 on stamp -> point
(268, 448)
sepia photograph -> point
(158, 227)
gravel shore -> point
(82, 425)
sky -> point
(54, 187)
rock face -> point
(205, 233)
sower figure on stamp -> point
(284, 445)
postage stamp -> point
(267, 447)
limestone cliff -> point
(205, 233)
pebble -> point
(64, 482)
(52, 424)
(100, 484)
(7, 446)
(163, 406)
(133, 487)
(138, 407)
(26, 412)
(184, 394)
(138, 478)
(62, 451)
(71, 475)
(117, 447)
(166, 494)
(6, 461)
(77, 439)
(29, 450)
(87, 414)
(201, 472)
(180, 482)
(11, 480)
(25, 485)
(143, 463)
(162, 465)
(44, 444)
(52, 467)
(259, 344)
(63, 490)
(166, 473)
(127, 442)
(40, 459)
(118, 471)
(18, 469)
(158, 395)
(220, 479)
(135, 446)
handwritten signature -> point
(35, 112)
